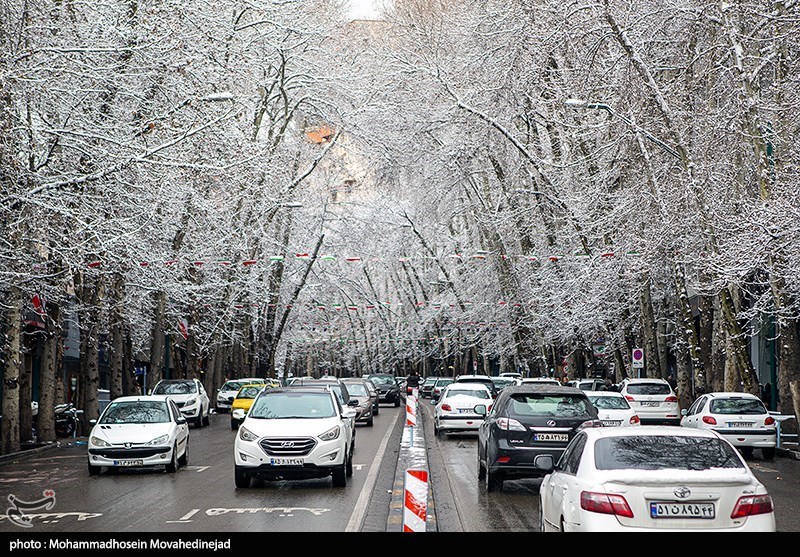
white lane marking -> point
(369, 484)
(358, 467)
(196, 468)
(282, 511)
(185, 518)
(48, 518)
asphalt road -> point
(202, 496)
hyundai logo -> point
(682, 492)
(287, 443)
(551, 423)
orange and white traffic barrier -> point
(411, 410)
(415, 501)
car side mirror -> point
(92, 422)
(352, 402)
(181, 420)
(238, 414)
(544, 462)
(684, 411)
(480, 409)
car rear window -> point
(476, 393)
(656, 452)
(737, 406)
(609, 402)
(649, 389)
(549, 405)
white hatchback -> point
(653, 400)
(458, 408)
(656, 478)
(613, 409)
(739, 417)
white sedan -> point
(613, 409)
(136, 431)
(658, 478)
(739, 417)
(458, 408)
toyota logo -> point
(287, 443)
(682, 492)
(551, 423)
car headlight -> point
(97, 442)
(247, 435)
(160, 440)
(331, 434)
(191, 402)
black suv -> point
(527, 421)
(388, 391)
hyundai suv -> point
(528, 421)
(295, 433)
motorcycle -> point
(66, 416)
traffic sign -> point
(637, 359)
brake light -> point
(489, 409)
(590, 423)
(605, 504)
(629, 398)
(671, 399)
(710, 420)
(750, 505)
(510, 424)
(769, 421)
(635, 419)
(446, 407)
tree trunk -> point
(705, 336)
(649, 333)
(157, 340)
(12, 357)
(789, 367)
(117, 338)
(45, 420)
(684, 365)
(25, 397)
(733, 382)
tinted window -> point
(737, 406)
(656, 452)
(609, 402)
(468, 392)
(649, 389)
(443, 382)
(136, 412)
(293, 405)
(572, 457)
(549, 405)
(175, 388)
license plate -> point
(741, 424)
(611, 423)
(286, 461)
(650, 403)
(465, 411)
(128, 463)
(682, 510)
(551, 437)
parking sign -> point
(637, 360)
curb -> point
(788, 453)
(28, 452)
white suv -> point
(295, 433)
(653, 400)
(189, 396)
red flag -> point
(184, 329)
(38, 305)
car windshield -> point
(249, 392)
(609, 402)
(357, 389)
(382, 379)
(443, 382)
(501, 382)
(531, 404)
(656, 452)
(737, 406)
(233, 385)
(136, 412)
(648, 389)
(288, 405)
(475, 393)
(175, 388)
(430, 381)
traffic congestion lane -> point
(200, 496)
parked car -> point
(502, 382)
(741, 418)
(514, 374)
(459, 408)
(358, 390)
(295, 433)
(438, 387)
(653, 400)
(427, 386)
(528, 421)
(478, 378)
(540, 381)
(189, 396)
(243, 401)
(388, 389)
(138, 431)
(652, 478)
(227, 393)
(588, 384)
(613, 409)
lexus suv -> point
(528, 421)
(295, 433)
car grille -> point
(136, 452)
(288, 446)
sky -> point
(364, 9)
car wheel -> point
(371, 421)
(207, 420)
(241, 478)
(481, 471)
(184, 459)
(561, 525)
(747, 452)
(95, 470)
(541, 517)
(768, 453)
(377, 409)
(172, 467)
(199, 420)
(339, 476)
(494, 481)
(397, 402)
(349, 467)
(234, 425)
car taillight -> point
(510, 424)
(769, 421)
(605, 504)
(590, 423)
(752, 504)
(710, 420)
(635, 419)
(671, 399)
(629, 398)
(489, 409)
(446, 407)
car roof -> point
(543, 388)
(645, 380)
(732, 395)
(605, 393)
(650, 430)
(177, 380)
(300, 388)
(467, 385)
(143, 398)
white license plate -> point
(465, 411)
(650, 403)
(286, 461)
(611, 423)
(682, 510)
(741, 424)
(551, 437)
(128, 463)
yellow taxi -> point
(244, 399)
